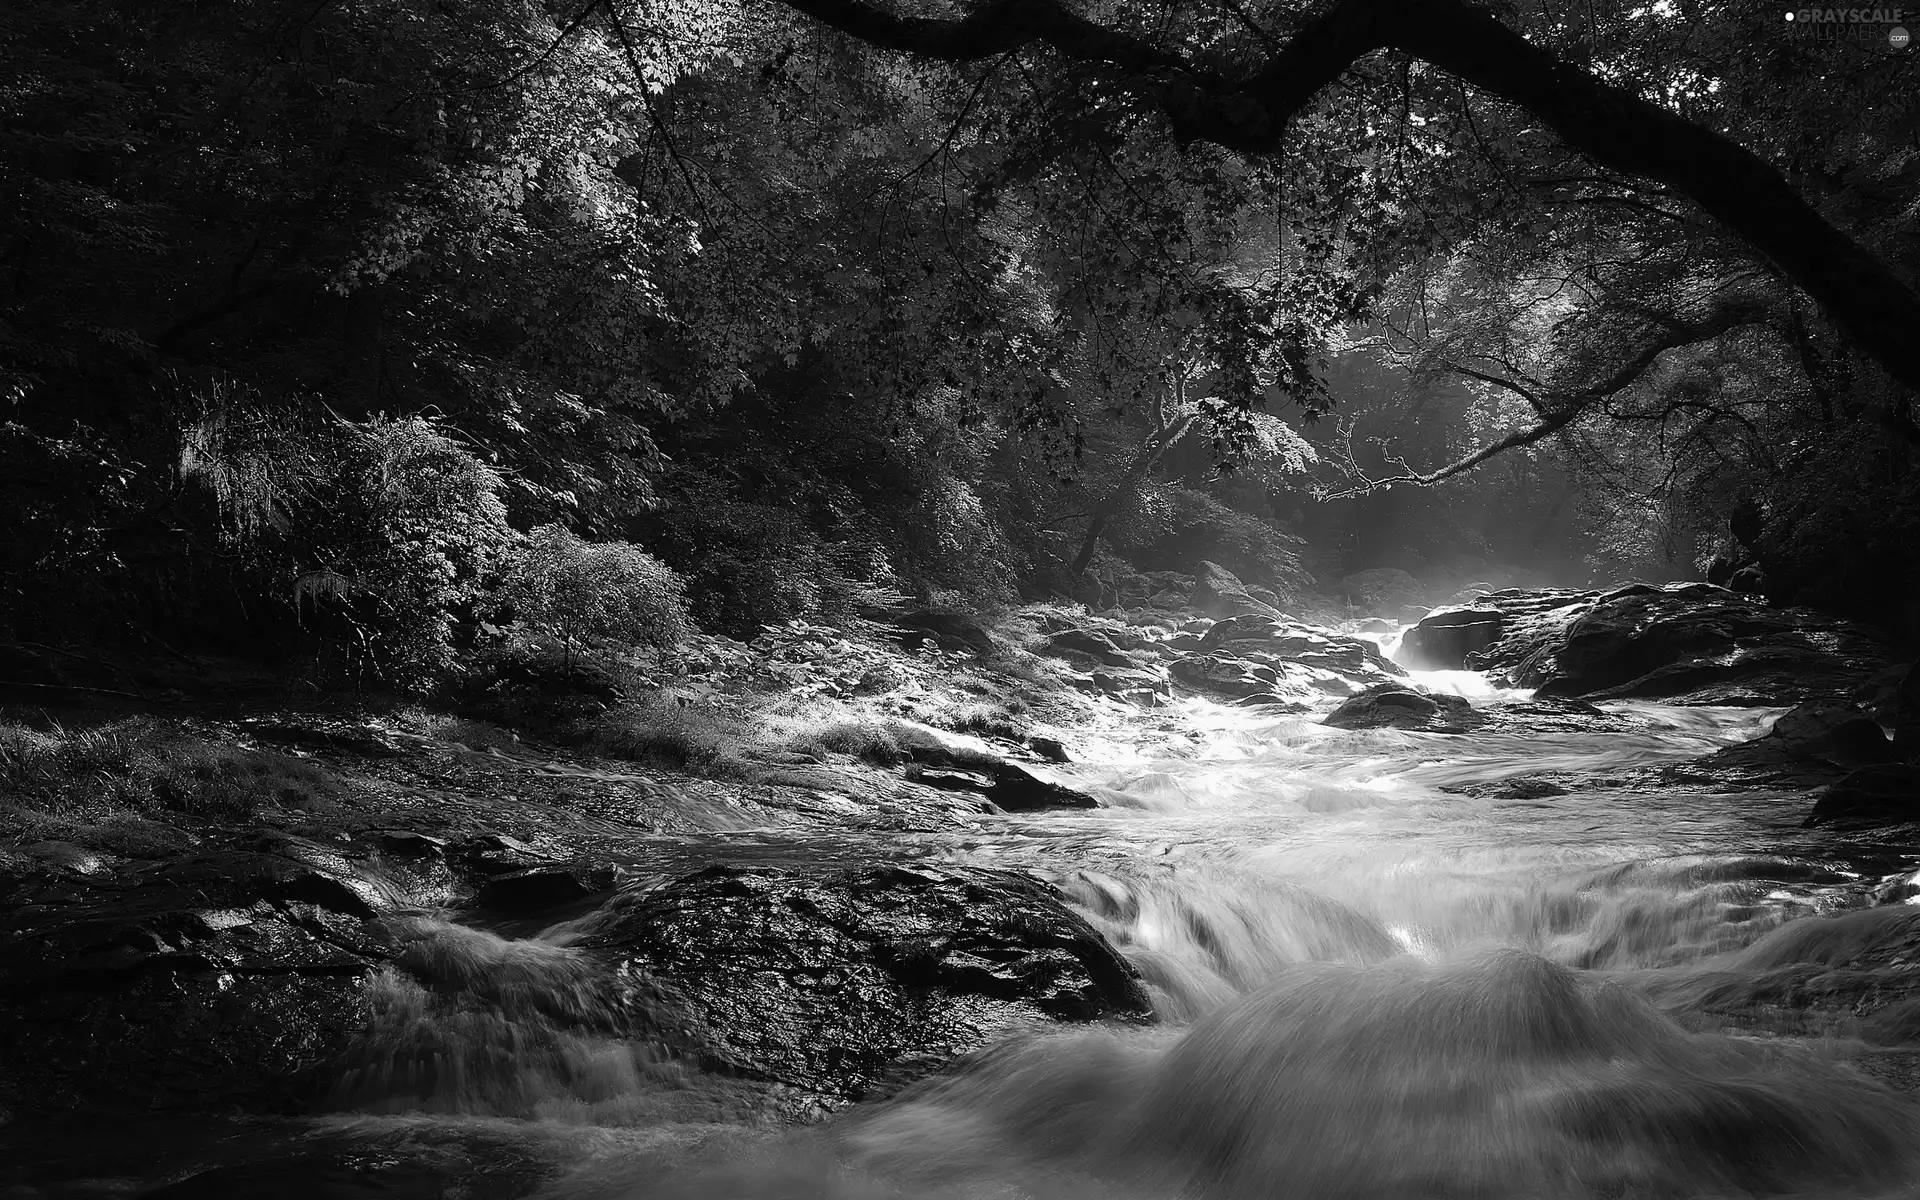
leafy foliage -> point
(304, 310)
(403, 530)
(578, 589)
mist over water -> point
(1371, 986)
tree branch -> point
(1558, 412)
(1612, 126)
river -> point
(1373, 984)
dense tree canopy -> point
(818, 299)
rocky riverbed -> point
(428, 955)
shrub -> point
(520, 684)
(473, 734)
(395, 534)
(951, 545)
(750, 565)
(577, 589)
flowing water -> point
(1373, 986)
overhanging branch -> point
(1612, 126)
(1556, 412)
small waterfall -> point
(469, 1023)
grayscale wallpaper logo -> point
(1868, 26)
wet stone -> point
(1016, 788)
(1117, 682)
(1051, 749)
(544, 888)
(1886, 794)
(1445, 639)
(826, 979)
(1394, 706)
(1092, 642)
(498, 854)
(1689, 644)
(226, 978)
(1218, 592)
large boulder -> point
(231, 978)
(1748, 581)
(1532, 625)
(1812, 744)
(1132, 684)
(972, 765)
(835, 979)
(1445, 638)
(1845, 736)
(1283, 661)
(1690, 644)
(1094, 643)
(1879, 697)
(1293, 663)
(1887, 794)
(1224, 675)
(1284, 644)
(1022, 789)
(1399, 706)
(1218, 592)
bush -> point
(951, 546)
(397, 533)
(520, 684)
(750, 565)
(747, 565)
(577, 589)
(465, 731)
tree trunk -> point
(1109, 505)
(1103, 512)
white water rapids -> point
(1373, 988)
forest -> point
(315, 313)
(959, 600)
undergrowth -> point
(868, 738)
(149, 768)
(662, 730)
(986, 719)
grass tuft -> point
(474, 734)
(866, 738)
(1001, 720)
(660, 731)
(149, 768)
